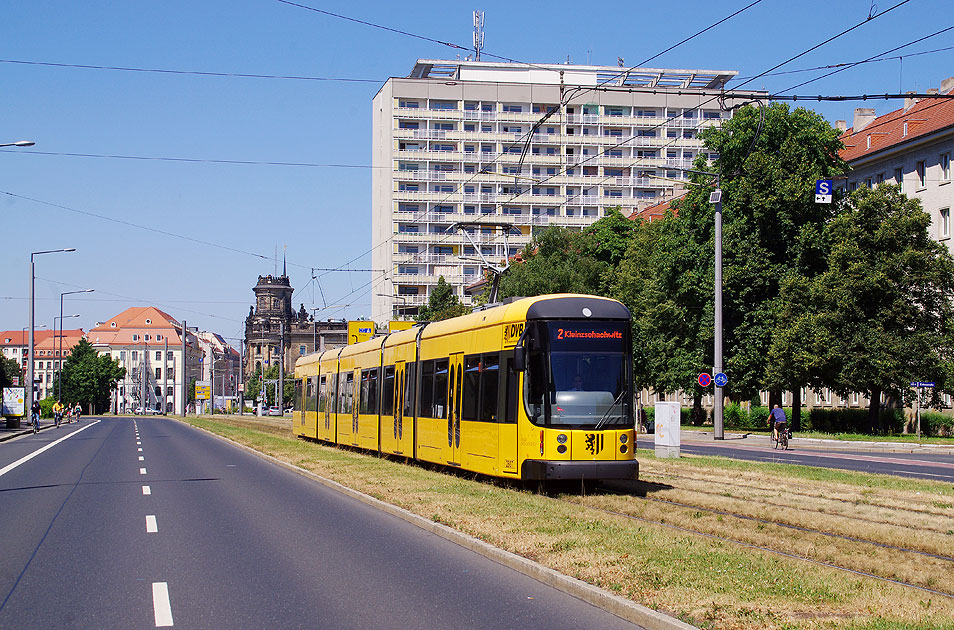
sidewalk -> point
(25, 428)
(765, 441)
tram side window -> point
(426, 407)
(345, 392)
(387, 392)
(298, 405)
(369, 391)
(310, 393)
(489, 377)
(409, 372)
(511, 379)
(471, 400)
(322, 393)
(440, 388)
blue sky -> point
(239, 214)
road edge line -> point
(614, 604)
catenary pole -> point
(717, 409)
(185, 386)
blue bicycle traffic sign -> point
(721, 379)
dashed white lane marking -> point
(27, 458)
(161, 605)
(151, 526)
(139, 449)
(142, 471)
(141, 458)
(146, 490)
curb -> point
(4, 438)
(613, 604)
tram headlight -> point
(623, 439)
(561, 438)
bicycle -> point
(780, 436)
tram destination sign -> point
(585, 335)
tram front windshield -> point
(579, 375)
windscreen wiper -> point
(606, 415)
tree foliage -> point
(9, 370)
(88, 377)
(883, 305)
(561, 260)
(442, 304)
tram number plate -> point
(512, 332)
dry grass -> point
(711, 583)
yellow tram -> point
(535, 389)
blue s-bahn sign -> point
(823, 188)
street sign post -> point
(823, 190)
(920, 385)
(721, 379)
(705, 380)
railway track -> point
(765, 500)
(879, 546)
(769, 550)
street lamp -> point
(30, 360)
(60, 351)
(18, 143)
(59, 359)
(403, 299)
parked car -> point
(274, 411)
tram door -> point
(455, 386)
(400, 378)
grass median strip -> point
(703, 581)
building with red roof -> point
(47, 346)
(910, 146)
(148, 343)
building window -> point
(146, 337)
(302, 349)
(945, 162)
(158, 355)
(135, 337)
(919, 170)
(122, 355)
(135, 355)
(945, 222)
(158, 373)
(158, 337)
(169, 390)
(169, 356)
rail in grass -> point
(535, 389)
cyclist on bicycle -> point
(778, 421)
(57, 412)
(35, 415)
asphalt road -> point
(148, 522)
(938, 466)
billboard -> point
(359, 331)
(13, 401)
(394, 326)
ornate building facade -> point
(275, 331)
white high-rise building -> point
(458, 145)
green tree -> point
(884, 302)
(665, 279)
(254, 385)
(88, 377)
(768, 161)
(442, 304)
(561, 260)
(9, 370)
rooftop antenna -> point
(478, 33)
(275, 259)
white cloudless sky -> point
(191, 237)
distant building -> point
(274, 331)
(452, 144)
(148, 343)
(47, 346)
(220, 365)
(911, 146)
